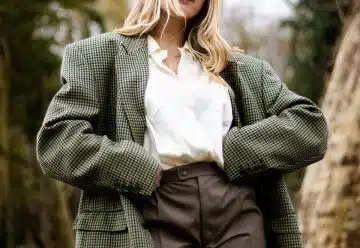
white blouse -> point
(187, 115)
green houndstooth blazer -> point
(93, 133)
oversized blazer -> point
(93, 132)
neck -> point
(169, 34)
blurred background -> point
(314, 45)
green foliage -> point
(29, 29)
(30, 60)
(29, 37)
(315, 28)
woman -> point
(175, 139)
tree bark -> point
(5, 212)
(329, 208)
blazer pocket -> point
(100, 221)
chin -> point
(191, 7)
(189, 14)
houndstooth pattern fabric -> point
(93, 132)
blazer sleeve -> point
(293, 135)
(69, 150)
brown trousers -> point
(196, 206)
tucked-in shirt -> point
(187, 115)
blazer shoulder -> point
(99, 46)
(246, 61)
(246, 67)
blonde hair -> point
(202, 32)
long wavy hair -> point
(202, 31)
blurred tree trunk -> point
(330, 195)
(4, 137)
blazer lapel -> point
(132, 74)
(236, 117)
(230, 76)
